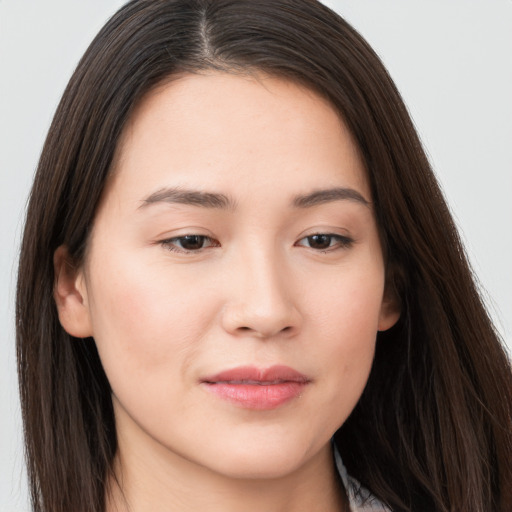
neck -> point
(168, 483)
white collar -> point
(360, 498)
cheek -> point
(346, 320)
(144, 323)
(348, 306)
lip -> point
(250, 387)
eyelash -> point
(342, 242)
(171, 244)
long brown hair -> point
(433, 429)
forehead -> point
(219, 130)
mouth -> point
(254, 388)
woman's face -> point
(234, 278)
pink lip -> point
(253, 388)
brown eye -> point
(325, 242)
(189, 243)
(319, 241)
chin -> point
(258, 468)
(268, 457)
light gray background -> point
(452, 61)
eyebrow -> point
(177, 195)
(189, 197)
(329, 195)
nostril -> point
(244, 328)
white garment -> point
(360, 498)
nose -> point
(262, 303)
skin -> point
(258, 290)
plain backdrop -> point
(452, 62)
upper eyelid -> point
(344, 238)
(167, 238)
(170, 242)
(301, 237)
(327, 233)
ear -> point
(70, 294)
(389, 311)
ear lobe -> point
(389, 313)
(70, 294)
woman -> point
(238, 271)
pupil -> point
(191, 242)
(319, 241)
